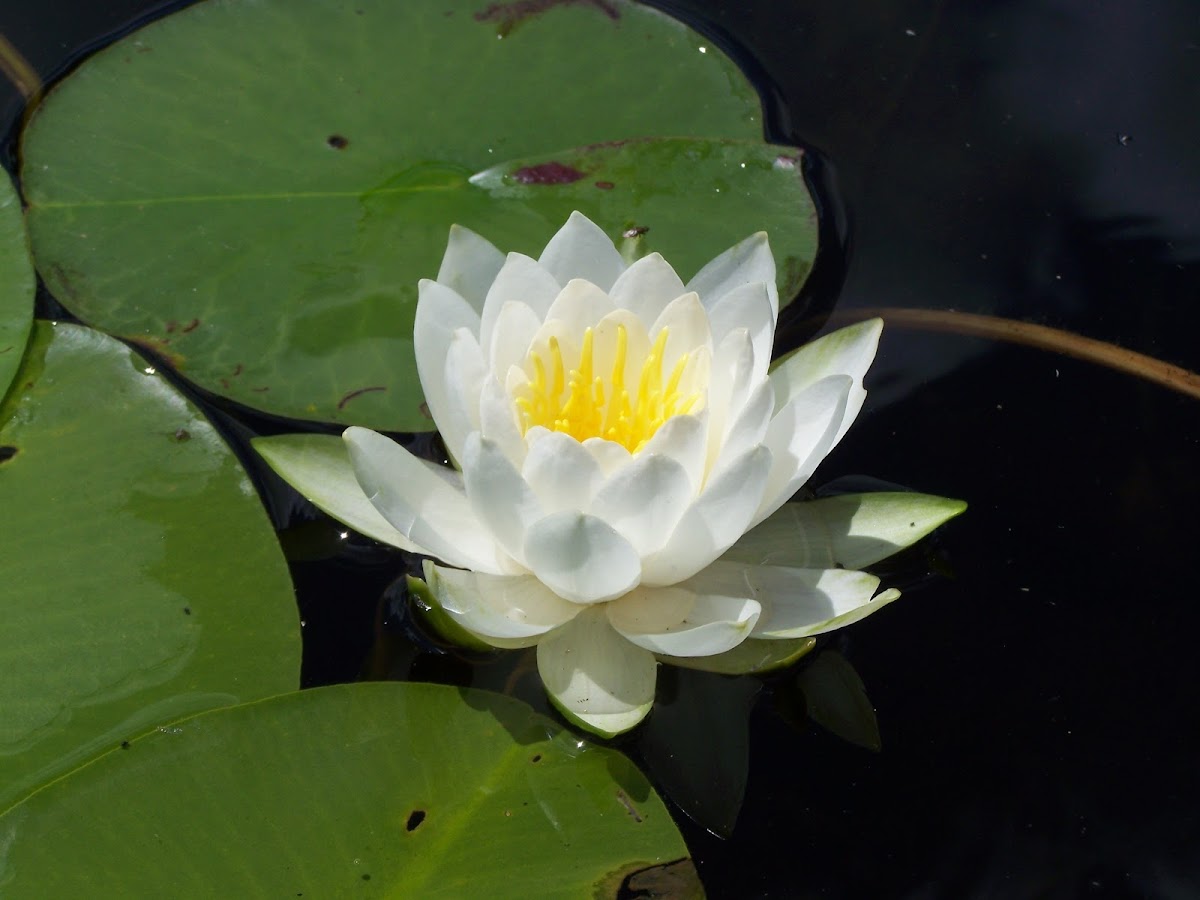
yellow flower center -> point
(584, 404)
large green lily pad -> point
(364, 790)
(16, 283)
(253, 189)
(141, 579)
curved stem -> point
(1040, 336)
(18, 70)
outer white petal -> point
(645, 500)
(440, 313)
(799, 602)
(749, 428)
(729, 387)
(463, 374)
(646, 287)
(595, 676)
(799, 437)
(610, 455)
(520, 279)
(498, 420)
(502, 500)
(580, 305)
(847, 351)
(581, 249)
(469, 265)
(749, 307)
(581, 558)
(419, 504)
(319, 467)
(507, 610)
(851, 530)
(678, 621)
(562, 473)
(714, 521)
(513, 331)
(743, 263)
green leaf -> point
(141, 579)
(381, 790)
(319, 467)
(253, 190)
(836, 699)
(16, 283)
(851, 530)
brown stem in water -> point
(1040, 336)
(18, 70)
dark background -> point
(1038, 159)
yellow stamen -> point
(583, 404)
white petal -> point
(714, 522)
(513, 332)
(645, 500)
(440, 313)
(686, 322)
(743, 263)
(521, 280)
(419, 504)
(680, 622)
(581, 558)
(507, 610)
(580, 305)
(319, 467)
(562, 473)
(463, 372)
(469, 265)
(749, 307)
(498, 420)
(847, 351)
(852, 530)
(683, 439)
(646, 287)
(581, 249)
(729, 387)
(798, 602)
(595, 676)
(799, 437)
(502, 500)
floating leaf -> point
(16, 284)
(253, 190)
(141, 580)
(381, 790)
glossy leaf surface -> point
(253, 190)
(16, 283)
(364, 790)
(141, 579)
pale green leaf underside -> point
(380, 790)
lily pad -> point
(253, 190)
(380, 790)
(142, 580)
(16, 283)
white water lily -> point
(616, 433)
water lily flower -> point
(624, 457)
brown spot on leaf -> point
(358, 393)
(624, 800)
(190, 326)
(182, 434)
(415, 818)
(338, 141)
(548, 173)
(260, 390)
(675, 880)
(508, 16)
(605, 185)
(7, 452)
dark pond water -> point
(1037, 159)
